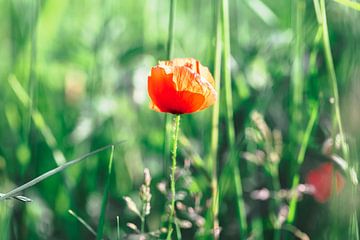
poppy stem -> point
(176, 128)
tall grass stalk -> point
(274, 169)
(172, 175)
(230, 119)
(333, 80)
(215, 126)
(300, 160)
(104, 201)
(298, 86)
(33, 57)
(6, 211)
(38, 119)
(297, 76)
(169, 50)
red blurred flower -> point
(181, 85)
(322, 179)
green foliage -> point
(73, 78)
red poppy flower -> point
(322, 179)
(180, 86)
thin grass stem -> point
(50, 173)
(104, 201)
(230, 118)
(215, 126)
(333, 80)
(118, 227)
(169, 49)
(300, 160)
(275, 200)
(297, 76)
(83, 222)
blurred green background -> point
(83, 66)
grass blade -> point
(215, 127)
(230, 119)
(105, 197)
(118, 227)
(83, 222)
(38, 120)
(300, 160)
(350, 4)
(50, 173)
(333, 80)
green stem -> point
(300, 160)
(297, 77)
(118, 227)
(276, 202)
(169, 48)
(297, 83)
(230, 120)
(333, 81)
(142, 218)
(105, 197)
(172, 175)
(215, 127)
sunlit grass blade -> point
(104, 201)
(297, 75)
(317, 11)
(20, 198)
(83, 222)
(178, 231)
(215, 127)
(38, 120)
(351, 4)
(300, 160)
(333, 80)
(5, 219)
(50, 173)
(354, 227)
(230, 119)
(118, 227)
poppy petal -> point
(178, 87)
(321, 179)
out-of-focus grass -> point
(84, 66)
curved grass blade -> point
(58, 169)
(82, 221)
(300, 160)
(351, 4)
(105, 197)
(20, 198)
